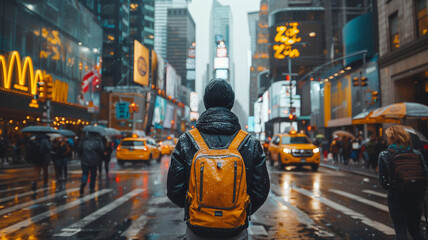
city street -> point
(132, 204)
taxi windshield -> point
(294, 140)
(132, 143)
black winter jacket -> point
(91, 150)
(218, 126)
(385, 171)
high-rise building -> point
(220, 45)
(180, 40)
(161, 19)
(253, 21)
(114, 16)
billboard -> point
(161, 73)
(159, 112)
(141, 64)
(221, 73)
(169, 116)
(171, 76)
(194, 101)
(221, 51)
(221, 62)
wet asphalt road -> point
(132, 204)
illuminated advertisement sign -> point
(161, 73)
(221, 73)
(141, 64)
(23, 77)
(169, 116)
(159, 112)
(286, 36)
(221, 62)
(171, 76)
(194, 101)
(222, 52)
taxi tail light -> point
(145, 148)
(118, 148)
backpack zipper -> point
(234, 181)
(201, 183)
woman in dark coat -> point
(404, 208)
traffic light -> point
(356, 81)
(41, 90)
(363, 81)
(292, 117)
(287, 77)
(49, 89)
(133, 107)
(375, 97)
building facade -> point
(180, 39)
(403, 51)
(45, 40)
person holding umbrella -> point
(91, 151)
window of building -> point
(421, 17)
(394, 35)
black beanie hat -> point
(219, 93)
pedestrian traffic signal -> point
(356, 81)
(41, 90)
(312, 128)
(375, 97)
(363, 81)
(292, 117)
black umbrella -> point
(66, 133)
(39, 129)
(95, 129)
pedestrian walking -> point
(334, 149)
(3, 149)
(62, 153)
(91, 150)
(346, 149)
(219, 206)
(40, 153)
(106, 156)
(405, 191)
(372, 154)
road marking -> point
(347, 211)
(375, 193)
(257, 230)
(121, 171)
(26, 204)
(360, 199)
(22, 194)
(78, 226)
(12, 189)
(135, 228)
(304, 218)
(51, 212)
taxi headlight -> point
(286, 150)
(316, 150)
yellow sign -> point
(141, 64)
(285, 37)
(22, 77)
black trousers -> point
(405, 212)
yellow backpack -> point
(217, 195)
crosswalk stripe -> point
(257, 230)
(347, 211)
(22, 194)
(52, 212)
(78, 226)
(11, 189)
(26, 204)
(375, 193)
(135, 227)
(305, 219)
(360, 199)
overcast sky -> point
(200, 11)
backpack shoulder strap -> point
(238, 140)
(198, 139)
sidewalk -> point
(30, 165)
(356, 168)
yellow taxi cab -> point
(136, 149)
(293, 149)
(167, 147)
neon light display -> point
(22, 77)
(285, 37)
